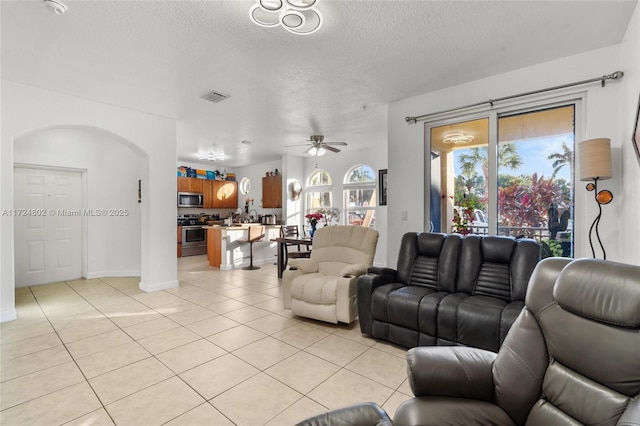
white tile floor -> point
(218, 350)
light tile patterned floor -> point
(218, 350)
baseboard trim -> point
(8, 315)
(158, 286)
(102, 274)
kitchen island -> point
(227, 247)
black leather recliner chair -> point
(572, 357)
(448, 290)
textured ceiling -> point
(161, 56)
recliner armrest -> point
(354, 270)
(305, 265)
(382, 271)
(366, 285)
(365, 413)
(452, 371)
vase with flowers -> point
(313, 219)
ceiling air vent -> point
(214, 96)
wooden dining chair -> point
(292, 231)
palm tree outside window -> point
(533, 175)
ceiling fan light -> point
(301, 4)
(56, 6)
(264, 18)
(292, 19)
(270, 5)
(296, 16)
(321, 151)
(312, 22)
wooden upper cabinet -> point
(225, 194)
(207, 190)
(218, 194)
(272, 192)
(187, 184)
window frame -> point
(493, 113)
(312, 189)
(348, 186)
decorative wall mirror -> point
(245, 185)
(295, 187)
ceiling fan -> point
(319, 147)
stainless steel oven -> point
(194, 240)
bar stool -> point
(254, 234)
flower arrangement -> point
(314, 218)
(330, 215)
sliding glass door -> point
(509, 173)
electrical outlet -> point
(405, 215)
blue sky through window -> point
(534, 153)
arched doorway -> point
(107, 221)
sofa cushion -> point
(478, 322)
(403, 305)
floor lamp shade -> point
(595, 159)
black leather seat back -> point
(496, 266)
(429, 260)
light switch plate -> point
(405, 215)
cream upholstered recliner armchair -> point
(324, 286)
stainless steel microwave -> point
(190, 199)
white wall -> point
(629, 198)
(112, 173)
(26, 109)
(293, 170)
(603, 117)
(255, 173)
(337, 165)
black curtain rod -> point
(615, 76)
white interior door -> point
(47, 226)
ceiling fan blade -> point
(336, 143)
(300, 144)
(330, 148)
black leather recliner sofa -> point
(448, 290)
(571, 358)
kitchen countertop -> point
(238, 226)
(227, 246)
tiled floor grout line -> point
(71, 356)
(176, 375)
(246, 285)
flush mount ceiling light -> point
(56, 6)
(210, 156)
(296, 16)
(457, 138)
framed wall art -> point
(382, 187)
(635, 135)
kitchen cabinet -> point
(220, 194)
(187, 184)
(272, 192)
(179, 237)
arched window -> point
(318, 193)
(360, 196)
